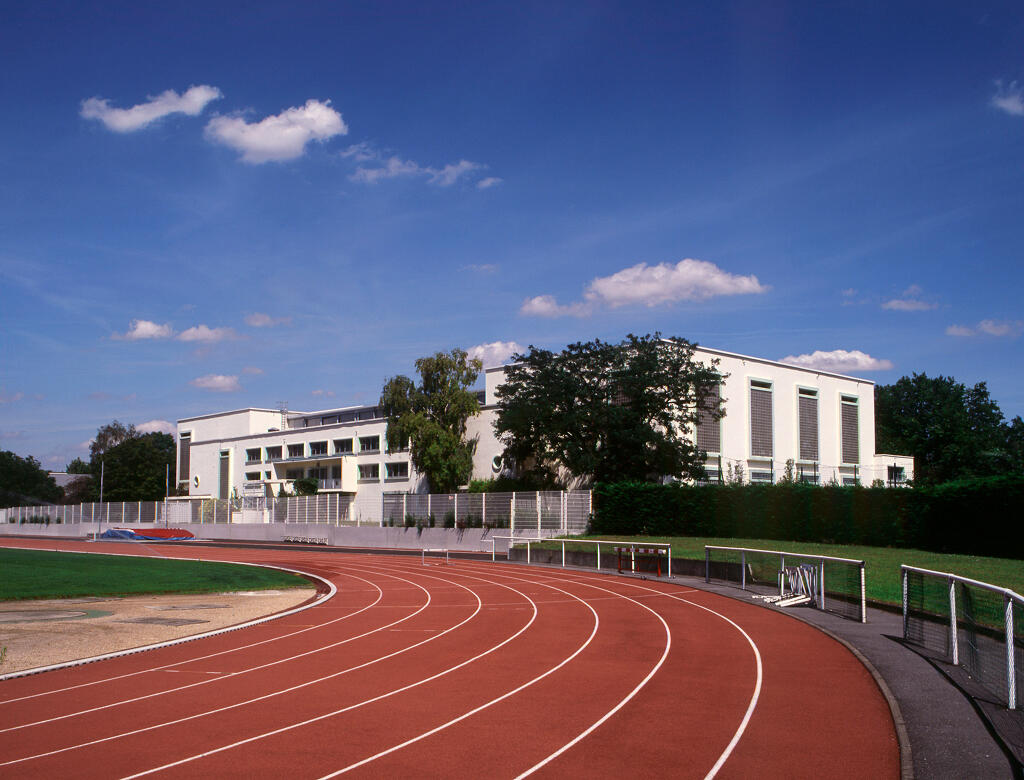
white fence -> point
(541, 513)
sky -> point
(210, 206)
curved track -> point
(469, 669)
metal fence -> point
(540, 512)
(544, 512)
(971, 624)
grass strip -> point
(881, 564)
(42, 574)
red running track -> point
(473, 669)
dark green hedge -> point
(973, 517)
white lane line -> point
(350, 707)
(322, 603)
(226, 676)
(755, 696)
(183, 640)
(249, 701)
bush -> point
(973, 517)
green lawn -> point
(39, 574)
(881, 564)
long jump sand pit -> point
(51, 631)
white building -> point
(824, 423)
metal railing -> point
(971, 624)
(632, 562)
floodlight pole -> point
(101, 499)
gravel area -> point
(40, 633)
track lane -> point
(689, 707)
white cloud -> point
(650, 285)
(452, 172)
(490, 181)
(324, 393)
(10, 399)
(127, 120)
(547, 306)
(1009, 98)
(157, 426)
(361, 152)
(909, 300)
(252, 370)
(495, 353)
(482, 268)
(394, 167)
(218, 383)
(687, 280)
(839, 360)
(203, 333)
(144, 329)
(260, 320)
(997, 328)
(12, 434)
(280, 136)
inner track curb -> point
(320, 598)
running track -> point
(473, 669)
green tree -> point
(607, 412)
(134, 470)
(77, 466)
(110, 436)
(23, 481)
(430, 418)
(952, 431)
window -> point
(397, 470)
(295, 450)
(273, 453)
(184, 448)
(266, 475)
(342, 446)
(709, 430)
(896, 475)
(807, 414)
(848, 481)
(760, 476)
(318, 448)
(335, 472)
(317, 473)
(369, 471)
(252, 476)
(252, 456)
(761, 438)
(369, 443)
(293, 474)
(225, 474)
(329, 420)
(850, 422)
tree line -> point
(595, 412)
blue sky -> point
(211, 206)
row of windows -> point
(367, 445)
(367, 471)
(762, 423)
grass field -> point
(40, 574)
(881, 564)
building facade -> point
(780, 421)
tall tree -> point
(109, 436)
(952, 431)
(136, 469)
(430, 418)
(607, 412)
(23, 481)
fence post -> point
(538, 514)
(456, 510)
(512, 514)
(483, 509)
(952, 623)
(1011, 676)
(743, 571)
(906, 604)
